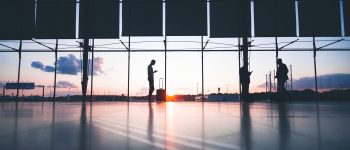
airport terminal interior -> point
(237, 74)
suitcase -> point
(161, 94)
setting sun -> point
(170, 97)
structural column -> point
(245, 33)
(276, 45)
(19, 67)
(43, 94)
(291, 78)
(244, 72)
(239, 66)
(165, 57)
(86, 49)
(129, 70)
(202, 69)
(85, 67)
(55, 77)
(315, 67)
(92, 69)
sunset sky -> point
(183, 68)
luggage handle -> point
(162, 83)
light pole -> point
(50, 90)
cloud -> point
(37, 64)
(65, 84)
(325, 82)
(328, 81)
(98, 61)
(70, 65)
(142, 91)
(48, 69)
(41, 66)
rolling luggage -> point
(161, 94)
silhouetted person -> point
(151, 79)
(281, 75)
(244, 76)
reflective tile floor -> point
(174, 125)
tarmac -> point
(174, 125)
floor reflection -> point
(52, 144)
(150, 123)
(176, 125)
(15, 126)
(245, 126)
(284, 125)
(83, 123)
(127, 126)
(90, 126)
